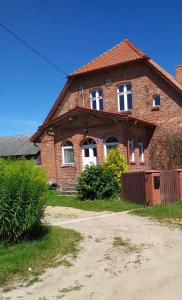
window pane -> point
(112, 139)
(131, 149)
(100, 92)
(128, 86)
(121, 102)
(95, 151)
(67, 143)
(141, 152)
(89, 142)
(86, 152)
(93, 94)
(129, 96)
(101, 104)
(68, 156)
(109, 147)
(157, 100)
(94, 104)
(121, 88)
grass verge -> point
(170, 213)
(115, 205)
(27, 260)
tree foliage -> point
(116, 162)
(166, 150)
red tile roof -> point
(122, 53)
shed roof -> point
(18, 145)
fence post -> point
(152, 186)
(179, 184)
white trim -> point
(109, 144)
(125, 93)
(131, 151)
(63, 156)
(97, 98)
(153, 102)
(91, 159)
(141, 153)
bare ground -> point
(121, 257)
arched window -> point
(67, 153)
(111, 142)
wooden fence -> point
(133, 187)
(168, 186)
(152, 187)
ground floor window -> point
(131, 150)
(110, 143)
(141, 152)
(67, 153)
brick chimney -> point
(179, 73)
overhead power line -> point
(31, 48)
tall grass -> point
(22, 190)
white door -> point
(89, 153)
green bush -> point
(23, 187)
(116, 163)
(97, 182)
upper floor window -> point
(67, 153)
(110, 143)
(124, 97)
(141, 152)
(96, 99)
(156, 100)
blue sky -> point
(70, 33)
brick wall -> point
(145, 83)
(98, 129)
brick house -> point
(120, 98)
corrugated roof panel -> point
(19, 145)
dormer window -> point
(124, 97)
(156, 101)
(96, 99)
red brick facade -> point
(146, 82)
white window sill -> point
(68, 165)
(129, 111)
(132, 162)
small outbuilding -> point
(19, 146)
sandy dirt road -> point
(149, 267)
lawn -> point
(27, 260)
(115, 205)
(162, 212)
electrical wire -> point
(33, 49)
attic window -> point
(156, 101)
(96, 99)
(124, 97)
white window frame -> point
(131, 151)
(125, 93)
(96, 98)
(154, 103)
(109, 144)
(63, 155)
(141, 152)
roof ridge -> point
(136, 49)
(98, 57)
